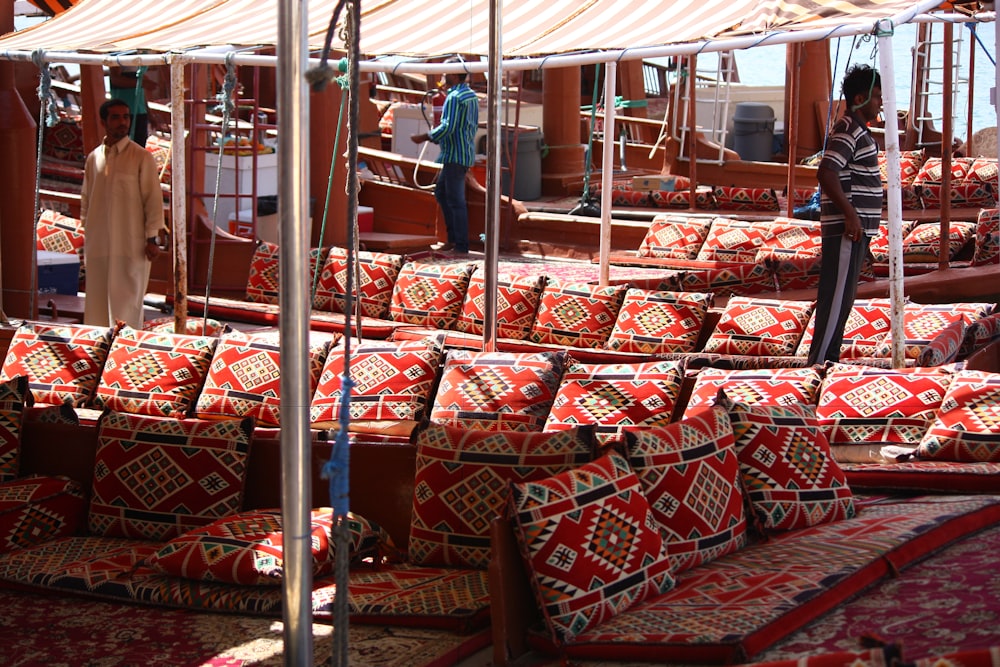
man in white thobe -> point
(122, 212)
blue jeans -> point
(450, 194)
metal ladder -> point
(714, 84)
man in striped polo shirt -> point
(851, 207)
(456, 135)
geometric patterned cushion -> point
(944, 348)
(789, 474)
(194, 326)
(675, 236)
(430, 295)
(461, 484)
(516, 303)
(62, 362)
(392, 382)
(772, 386)
(879, 246)
(860, 405)
(14, 395)
(731, 240)
(247, 548)
(262, 280)
(60, 233)
(591, 543)
(983, 170)
(910, 163)
(923, 243)
(691, 477)
(37, 509)
(613, 396)
(577, 314)
(155, 374)
(497, 391)
(987, 249)
(759, 327)
(378, 271)
(653, 322)
(745, 199)
(789, 237)
(704, 198)
(864, 333)
(931, 171)
(156, 478)
(244, 379)
(967, 425)
(962, 194)
(922, 323)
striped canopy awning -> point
(427, 28)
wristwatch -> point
(151, 239)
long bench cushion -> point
(155, 478)
(760, 327)
(62, 362)
(461, 481)
(925, 476)
(376, 275)
(14, 398)
(516, 304)
(654, 322)
(36, 509)
(156, 374)
(577, 314)
(613, 396)
(965, 426)
(745, 199)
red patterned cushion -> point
(746, 199)
(962, 194)
(704, 198)
(965, 428)
(157, 374)
(772, 386)
(613, 396)
(248, 548)
(923, 242)
(760, 327)
(592, 544)
(652, 322)
(866, 408)
(244, 379)
(262, 280)
(497, 391)
(786, 236)
(675, 236)
(910, 163)
(624, 195)
(879, 245)
(789, 474)
(156, 478)
(864, 333)
(923, 323)
(14, 395)
(430, 295)
(944, 347)
(987, 250)
(38, 509)
(378, 273)
(193, 326)
(691, 477)
(461, 484)
(732, 240)
(160, 148)
(733, 279)
(577, 314)
(60, 233)
(392, 382)
(933, 169)
(62, 362)
(516, 303)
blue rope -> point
(336, 469)
(972, 29)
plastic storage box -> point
(58, 272)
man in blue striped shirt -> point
(456, 135)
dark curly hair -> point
(860, 80)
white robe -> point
(121, 206)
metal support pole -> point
(607, 169)
(178, 190)
(494, 102)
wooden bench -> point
(395, 243)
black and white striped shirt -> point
(853, 154)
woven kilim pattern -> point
(987, 238)
(794, 236)
(248, 548)
(860, 405)
(731, 240)
(392, 381)
(962, 194)
(516, 302)
(378, 272)
(792, 270)
(591, 543)
(430, 295)
(704, 199)
(980, 333)
(653, 322)
(770, 386)
(945, 346)
(879, 246)
(760, 327)
(156, 478)
(864, 332)
(62, 362)
(923, 243)
(614, 396)
(967, 425)
(262, 280)
(461, 485)
(745, 199)
(749, 278)
(497, 391)
(37, 509)
(577, 314)
(13, 396)
(675, 236)
(910, 163)
(789, 475)
(60, 233)
(691, 477)
(922, 323)
(156, 374)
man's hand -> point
(419, 138)
(152, 250)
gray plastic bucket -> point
(753, 131)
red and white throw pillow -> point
(377, 274)
(430, 295)
(760, 327)
(965, 427)
(516, 303)
(577, 314)
(652, 322)
(770, 386)
(732, 240)
(14, 396)
(675, 236)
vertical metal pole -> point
(293, 238)
(947, 112)
(895, 190)
(607, 168)
(493, 176)
(178, 200)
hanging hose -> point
(423, 146)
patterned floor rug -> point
(39, 630)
